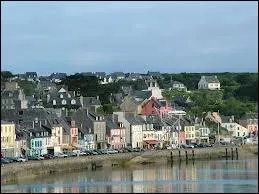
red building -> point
(154, 107)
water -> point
(220, 176)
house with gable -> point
(235, 129)
(85, 132)
(115, 132)
(95, 124)
(8, 137)
(250, 121)
(209, 82)
(91, 103)
(62, 101)
(134, 128)
(176, 85)
(189, 129)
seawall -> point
(31, 169)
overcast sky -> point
(165, 36)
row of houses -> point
(37, 131)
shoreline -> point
(29, 170)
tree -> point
(5, 75)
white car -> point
(112, 151)
(20, 159)
(60, 155)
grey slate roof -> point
(155, 73)
(211, 79)
(91, 101)
(31, 74)
(134, 119)
(6, 122)
(110, 123)
(142, 94)
(226, 119)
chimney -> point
(233, 118)
(45, 122)
(81, 125)
(97, 97)
(33, 124)
(113, 118)
(87, 112)
(74, 93)
(215, 76)
(40, 123)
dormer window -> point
(61, 96)
(73, 101)
(64, 102)
(10, 94)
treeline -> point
(238, 94)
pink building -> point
(73, 133)
(182, 137)
(115, 132)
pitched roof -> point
(142, 94)
(227, 119)
(112, 122)
(211, 79)
(6, 122)
(249, 116)
(90, 101)
(134, 119)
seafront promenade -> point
(32, 169)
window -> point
(54, 102)
(61, 96)
(145, 136)
(192, 135)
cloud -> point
(166, 35)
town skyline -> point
(129, 37)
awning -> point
(151, 142)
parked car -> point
(111, 151)
(33, 158)
(22, 159)
(60, 155)
(11, 159)
(183, 146)
(4, 161)
(70, 154)
(47, 156)
(189, 146)
(136, 149)
(98, 151)
(79, 152)
(40, 157)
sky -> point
(169, 37)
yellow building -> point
(189, 133)
(7, 138)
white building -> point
(154, 88)
(209, 82)
(234, 128)
(134, 128)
